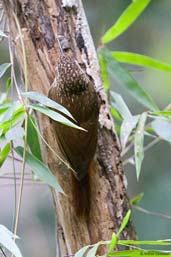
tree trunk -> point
(41, 22)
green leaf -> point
(2, 34)
(126, 128)
(115, 113)
(8, 85)
(126, 80)
(40, 169)
(6, 240)
(47, 102)
(162, 128)
(121, 106)
(104, 73)
(14, 118)
(3, 68)
(125, 20)
(4, 153)
(93, 250)
(14, 133)
(113, 243)
(141, 60)
(140, 253)
(136, 242)
(4, 107)
(124, 222)
(82, 251)
(54, 115)
(137, 199)
(161, 113)
(33, 138)
(139, 143)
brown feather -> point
(76, 92)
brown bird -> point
(74, 90)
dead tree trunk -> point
(40, 23)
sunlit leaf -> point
(4, 153)
(137, 199)
(142, 60)
(162, 128)
(121, 105)
(125, 20)
(126, 128)
(15, 133)
(113, 243)
(6, 240)
(33, 138)
(126, 80)
(47, 102)
(3, 68)
(124, 222)
(140, 253)
(162, 113)
(4, 107)
(115, 113)
(14, 118)
(137, 242)
(104, 73)
(40, 169)
(82, 251)
(139, 143)
(54, 115)
(8, 85)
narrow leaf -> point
(4, 153)
(136, 242)
(54, 115)
(139, 143)
(115, 113)
(104, 73)
(124, 222)
(40, 169)
(162, 128)
(93, 250)
(137, 199)
(141, 60)
(127, 127)
(3, 68)
(161, 113)
(125, 20)
(47, 102)
(121, 106)
(113, 243)
(8, 85)
(6, 240)
(82, 251)
(140, 253)
(33, 138)
(126, 80)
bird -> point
(74, 90)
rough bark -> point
(41, 22)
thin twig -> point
(15, 158)
(25, 127)
(158, 214)
(4, 254)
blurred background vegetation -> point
(149, 35)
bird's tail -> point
(81, 195)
